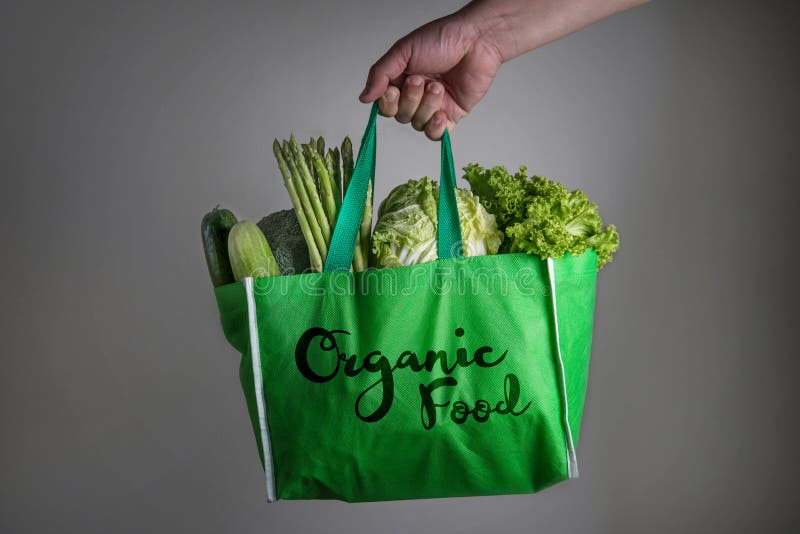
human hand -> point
(433, 76)
(436, 74)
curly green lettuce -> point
(540, 216)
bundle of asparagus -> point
(317, 181)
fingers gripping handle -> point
(343, 240)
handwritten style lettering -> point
(319, 359)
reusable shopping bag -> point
(462, 376)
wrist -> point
(514, 27)
(501, 25)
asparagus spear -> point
(311, 188)
(319, 145)
(306, 191)
(308, 233)
(337, 170)
(310, 164)
(359, 262)
(325, 189)
(347, 162)
(332, 171)
(366, 226)
(302, 193)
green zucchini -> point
(214, 230)
(249, 252)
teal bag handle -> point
(343, 240)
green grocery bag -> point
(462, 376)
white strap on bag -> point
(258, 384)
(572, 460)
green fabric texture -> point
(433, 380)
(448, 239)
(323, 448)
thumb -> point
(389, 67)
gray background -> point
(123, 123)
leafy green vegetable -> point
(405, 232)
(286, 239)
(540, 216)
(502, 194)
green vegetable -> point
(540, 216)
(308, 224)
(249, 252)
(309, 163)
(333, 175)
(311, 190)
(316, 181)
(347, 162)
(325, 183)
(502, 194)
(287, 241)
(337, 172)
(214, 230)
(405, 232)
(305, 201)
(320, 146)
(365, 230)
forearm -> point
(514, 27)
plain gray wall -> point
(124, 122)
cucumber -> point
(249, 252)
(214, 230)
